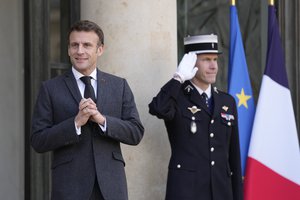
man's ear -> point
(100, 50)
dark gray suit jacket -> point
(77, 160)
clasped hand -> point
(88, 111)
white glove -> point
(186, 69)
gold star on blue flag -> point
(239, 85)
(243, 98)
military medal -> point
(228, 117)
(193, 127)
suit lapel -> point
(72, 86)
(101, 87)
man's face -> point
(84, 50)
(207, 70)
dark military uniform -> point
(205, 160)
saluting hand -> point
(186, 69)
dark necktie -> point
(205, 99)
(88, 90)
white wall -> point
(11, 103)
(140, 45)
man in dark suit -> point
(82, 117)
(202, 126)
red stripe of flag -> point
(267, 184)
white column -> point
(141, 46)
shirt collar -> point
(78, 75)
(207, 91)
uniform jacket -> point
(77, 160)
(205, 155)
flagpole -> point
(271, 2)
(233, 2)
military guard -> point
(202, 127)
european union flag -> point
(239, 85)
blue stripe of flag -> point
(275, 55)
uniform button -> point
(212, 149)
(211, 135)
(212, 163)
(193, 118)
(212, 121)
(229, 123)
(178, 166)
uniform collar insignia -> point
(194, 109)
(216, 90)
(225, 108)
(188, 88)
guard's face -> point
(207, 70)
(84, 50)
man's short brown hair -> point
(88, 26)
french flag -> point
(273, 165)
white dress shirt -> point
(207, 91)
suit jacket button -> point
(212, 163)
(178, 166)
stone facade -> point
(143, 44)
